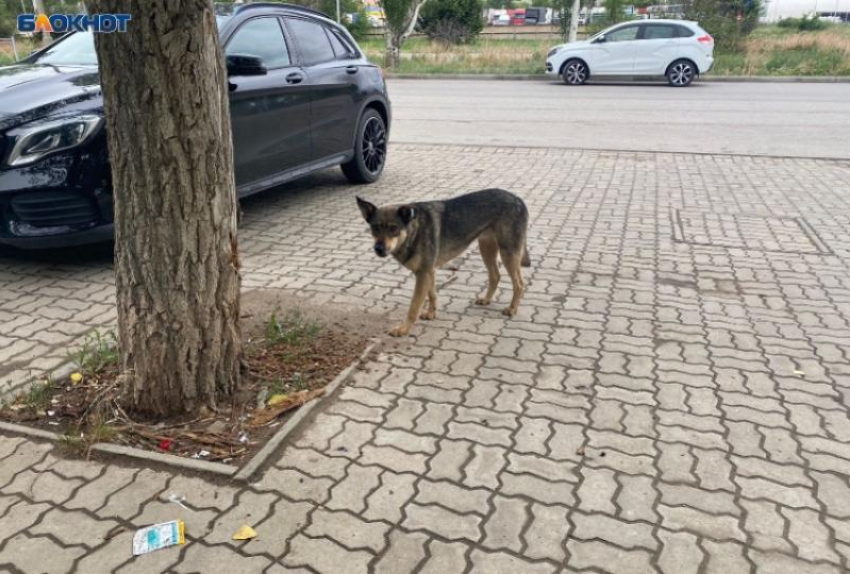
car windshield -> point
(75, 50)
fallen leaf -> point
(276, 400)
(245, 533)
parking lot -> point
(673, 396)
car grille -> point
(54, 209)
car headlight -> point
(554, 51)
(33, 141)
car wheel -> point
(681, 73)
(575, 73)
(370, 150)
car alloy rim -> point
(682, 74)
(374, 145)
(576, 73)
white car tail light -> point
(707, 39)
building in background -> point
(776, 10)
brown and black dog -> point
(424, 236)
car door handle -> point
(351, 69)
(294, 78)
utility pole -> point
(338, 20)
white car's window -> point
(261, 37)
(659, 32)
(622, 34)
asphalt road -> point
(778, 119)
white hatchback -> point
(678, 50)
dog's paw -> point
(482, 301)
(428, 315)
(509, 312)
(400, 330)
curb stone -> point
(243, 473)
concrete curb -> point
(543, 78)
(243, 473)
(259, 459)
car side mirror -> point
(245, 65)
(599, 40)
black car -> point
(302, 98)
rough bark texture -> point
(177, 267)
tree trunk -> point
(398, 27)
(177, 267)
(574, 15)
(393, 53)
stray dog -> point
(424, 236)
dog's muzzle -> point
(381, 250)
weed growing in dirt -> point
(97, 352)
(292, 329)
(38, 395)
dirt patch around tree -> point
(293, 349)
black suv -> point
(302, 98)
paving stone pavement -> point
(672, 397)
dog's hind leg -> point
(431, 312)
(513, 261)
(489, 253)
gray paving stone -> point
(713, 377)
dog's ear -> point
(406, 213)
(367, 209)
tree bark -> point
(574, 16)
(176, 260)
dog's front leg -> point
(424, 280)
(431, 312)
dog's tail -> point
(526, 260)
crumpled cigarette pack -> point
(159, 536)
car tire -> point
(370, 149)
(681, 73)
(575, 72)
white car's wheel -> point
(575, 72)
(681, 73)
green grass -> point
(768, 51)
(97, 352)
(292, 329)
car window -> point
(261, 37)
(622, 34)
(75, 50)
(684, 32)
(659, 32)
(341, 48)
(313, 44)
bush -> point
(452, 21)
(720, 19)
(359, 26)
(804, 24)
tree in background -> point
(165, 98)
(452, 21)
(614, 11)
(729, 21)
(400, 17)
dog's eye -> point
(392, 230)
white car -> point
(678, 50)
